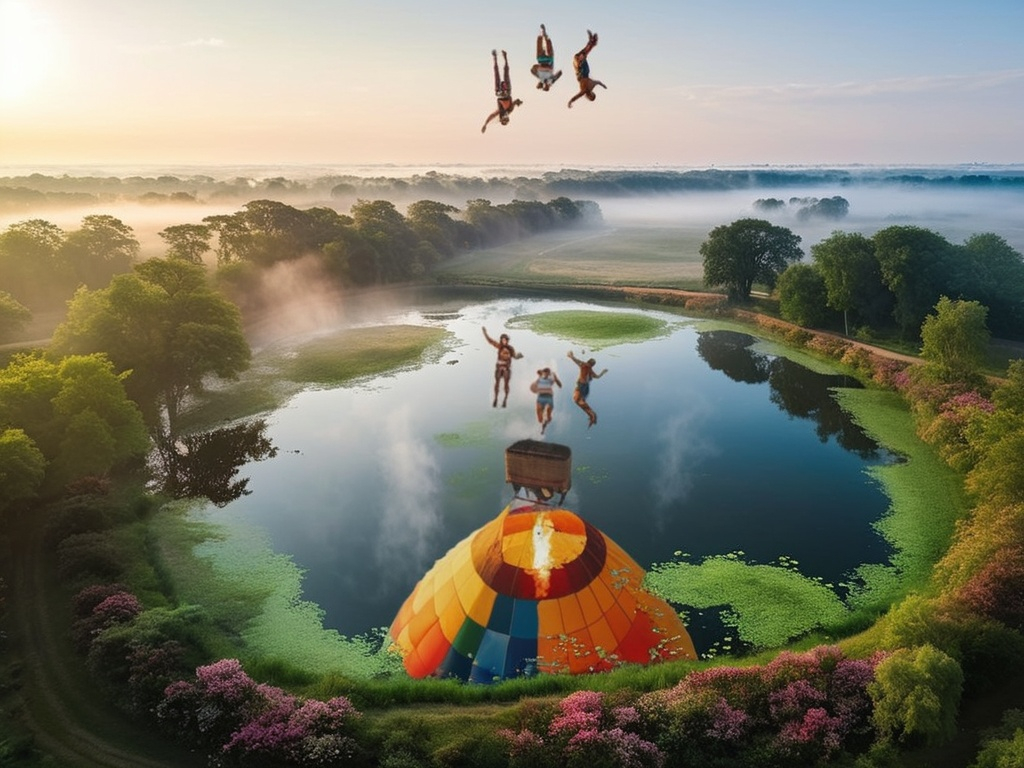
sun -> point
(26, 51)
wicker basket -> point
(535, 464)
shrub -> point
(77, 515)
(115, 608)
(88, 554)
(247, 723)
(997, 589)
(87, 598)
(916, 694)
(800, 708)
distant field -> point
(655, 256)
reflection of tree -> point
(795, 389)
(729, 352)
(803, 393)
(205, 464)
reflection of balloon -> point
(538, 589)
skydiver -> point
(544, 69)
(582, 69)
(503, 92)
(582, 391)
(503, 367)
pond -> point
(707, 443)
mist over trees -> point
(33, 192)
(41, 265)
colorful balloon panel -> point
(537, 589)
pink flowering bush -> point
(115, 608)
(588, 733)
(253, 724)
(799, 709)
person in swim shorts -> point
(544, 387)
(503, 92)
(582, 391)
(544, 69)
(503, 366)
(581, 66)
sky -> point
(690, 83)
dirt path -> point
(68, 716)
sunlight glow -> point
(26, 51)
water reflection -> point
(206, 464)
(795, 389)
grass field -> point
(651, 256)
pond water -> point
(706, 444)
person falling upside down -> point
(582, 68)
(544, 69)
(503, 92)
(544, 387)
(503, 367)
(582, 391)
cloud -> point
(409, 515)
(896, 86)
(205, 42)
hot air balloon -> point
(536, 590)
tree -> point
(76, 413)
(802, 296)
(13, 316)
(916, 268)
(745, 252)
(917, 694)
(104, 246)
(187, 241)
(166, 325)
(432, 222)
(955, 340)
(381, 225)
(853, 277)
(22, 467)
(30, 267)
(992, 271)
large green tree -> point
(991, 271)
(165, 324)
(745, 252)
(917, 267)
(853, 278)
(955, 339)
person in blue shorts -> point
(582, 391)
(582, 68)
(544, 388)
(544, 69)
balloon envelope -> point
(538, 589)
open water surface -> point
(706, 444)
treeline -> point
(37, 191)
(893, 279)
(41, 265)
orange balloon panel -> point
(537, 589)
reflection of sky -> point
(365, 495)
